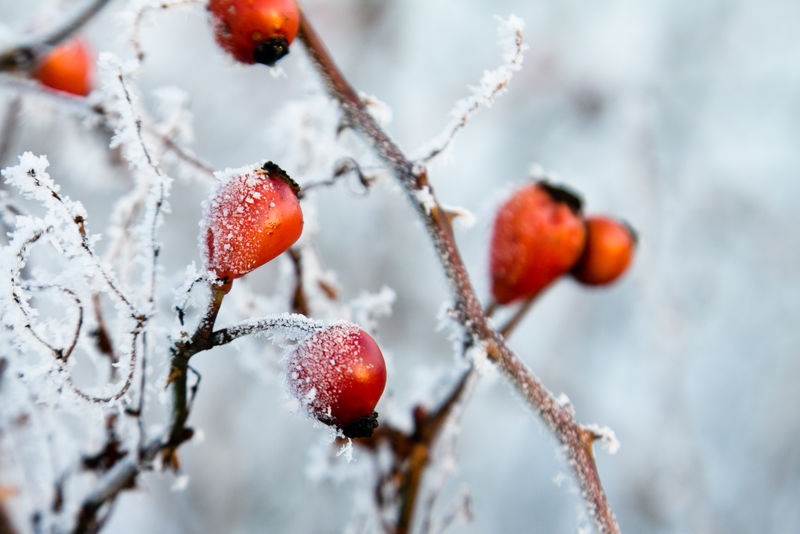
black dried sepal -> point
(271, 50)
(362, 427)
(275, 171)
(561, 193)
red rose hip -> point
(338, 375)
(538, 236)
(255, 31)
(251, 218)
(68, 68)
(608, 252)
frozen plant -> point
(98, 332)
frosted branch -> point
(467, 309)
(493, 84)
(293, 326)
(32, 180)
(97, 113)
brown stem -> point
(299, 300)
(103, 339)
(427, 431)
(178, 376)
(6, 527)
(520, 314)
(124, 473)
(559, 419)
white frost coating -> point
(536, 171)
(379, 110)
(152, 186)
(367, 308)
(346, 450)
(607, 437)
(225, 195)
(324, 369)
(173, 113)
(180, 484)
(492, 84)
(425, 197)
(480, 360)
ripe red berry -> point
(608, 252)
(255, 31)
(68, 68)
(538, 236)
(338, 374)
(251, 218)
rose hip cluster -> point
(540, 234)
(338, 374)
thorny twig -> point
(560, 419)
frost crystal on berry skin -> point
(251, 217)
(338, 374)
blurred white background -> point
(681, 117)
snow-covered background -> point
(681, 117)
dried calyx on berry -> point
(255, 31)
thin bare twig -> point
(294, 324)
(81, 106)
(342, 168)
(135, 38)
(493, 85)
(576, 440)
(515, 319)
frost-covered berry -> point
(538, 236)
(608, 252)
(67, 68)
(252, 217)
(338, 375)
(255, 31)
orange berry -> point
(255, 31)
(338, 374)
(250, 219)
(538, 236)
(68, 68)
(608, 252)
